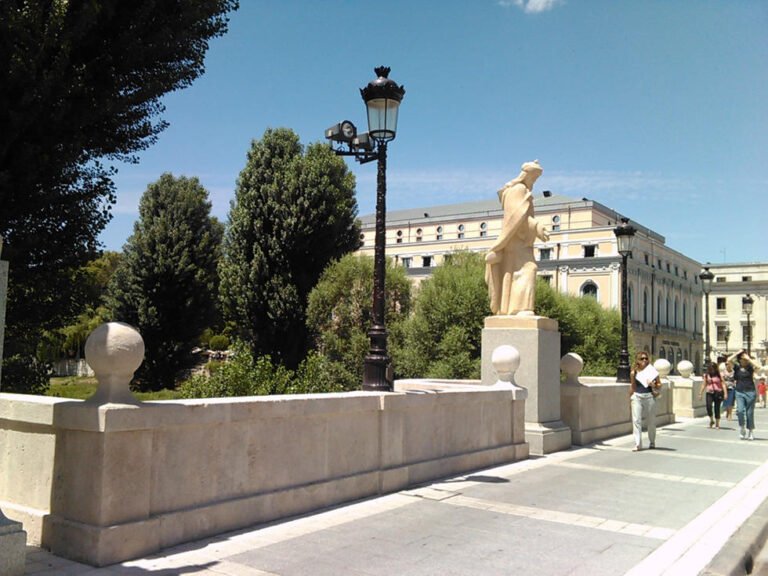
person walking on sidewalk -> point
(644, 386)
(761, 389)
(713, 385)
(726, 375)
(744, 381)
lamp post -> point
(625, 236)
(706, 283)
(382, 98)
(726, 335)
(746, 304)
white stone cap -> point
(114, 351)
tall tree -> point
(339, 313)
(166, 283)
(442, 338)
(80, 85)
(294, 211)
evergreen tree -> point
(81, 83)
(166, 284)
(294, 211)
(339, 313)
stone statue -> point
(510, 268)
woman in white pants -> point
(644, 385)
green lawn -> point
(82, 387)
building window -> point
(677, 273)
(720, 279)
(746, 278)
(590, 250)
(659, 263)
(547, 278)
(555, 223)
(666, 312)
(669, 269)
(545, 253)
(483, 229)
(407, 261)
(647, 260)
(426, 261)
(685, 316)
(630, 301)
(720, 305)
(685, 274)
(399, 239)
(461, 231)
(589, 289)
(745, 332)
(722, 330)
(362, 238)
(419, 233)
(439, 235)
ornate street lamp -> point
(382, 99)
(726, 335)
(625, 236)
(706, 284)
(746, 304)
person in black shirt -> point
(744, 382)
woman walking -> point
(715, 390)
(643, 383)
(726, 375)
(744, 381)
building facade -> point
(580, 258)
(730, 327)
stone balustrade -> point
(111, 478)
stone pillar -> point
(538, 342)
(13, 539)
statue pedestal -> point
(13, 547)
(537, 339)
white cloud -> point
(532, 6)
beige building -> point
(581, 258)
(728, 322)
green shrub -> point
(24, 375)
(218, 342)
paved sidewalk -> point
(599, 510)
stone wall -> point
(103, 483)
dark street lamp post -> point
(625, 235)
(382, 99)
(746, 304)
(706, 284)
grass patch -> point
(82, 387)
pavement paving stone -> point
(599, 510)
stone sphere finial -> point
(685, 368)
(571, 364)
(505, 360)
(663, 367)
(114, 351)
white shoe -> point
(743, 433)
(751, 435)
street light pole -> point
(746, 303)
(382, 99)
(625, 235)
(706, 283)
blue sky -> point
(656, 108)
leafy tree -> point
(442, 339)
(166, 284)
(339, 313)
(80, 87)
(586, 328)
(294, 212)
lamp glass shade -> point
(625, 237)
(382, 118)
(746, 303)
(706, 278)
